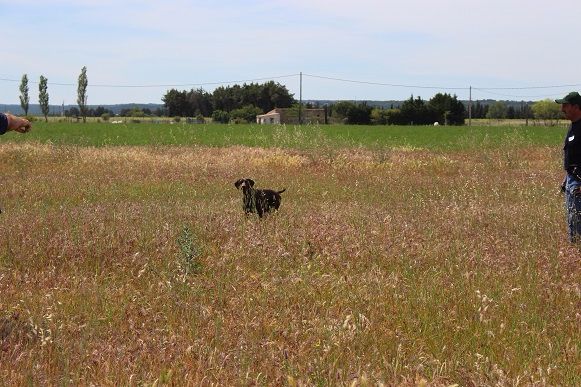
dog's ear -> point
(239, 183)
(250, 182)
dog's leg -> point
(259, 207)
(247, 202)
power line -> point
(375, 83)
(515, 96)
(34, 82)
(528, 87)
(199, 84)
(160, 85)
(385, 84)
(483, 89)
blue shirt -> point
(3, 123)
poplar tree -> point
(24, 94)
(43, 96)
(82, 93)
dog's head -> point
(244, 183)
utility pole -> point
(470, 108)
(301, 98)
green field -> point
(400, 256)
(304, 137)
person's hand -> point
(18, 124)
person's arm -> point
(3, 123)
(10, 122)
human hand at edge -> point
(18, 124)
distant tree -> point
(199, 102)
(227, 99)
(82, 93)
(394, 117)
(519, 110)
(43, 97)
(359, 114)
(352, 113)
(176, 103)
(250, 94)
(497, 110)
(131, 112)
(274, 95)
(192, 103)
(24, 99)
(266, 96)
(160, 112)
(100, 110)
(485, 109)
(416, 112)
(478, 110)
(200, 119)
(136, 112)
(446, 109)
(379, 116)
(525, 111)
(221, 116)
(510, 112)
(247, 113)
(72, 112)
(341, 109)
(547, 110)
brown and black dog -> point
(261, 201)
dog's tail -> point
(281, 191)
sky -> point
(136, 50)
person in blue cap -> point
(10, 122)
(571, 107)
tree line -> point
(500, 110)
(230, 102)
(442, 108)
(43, 96)
(242, 103)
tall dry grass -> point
(393, 266)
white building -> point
(291, 116)
(272, 117)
